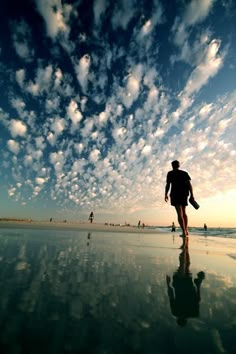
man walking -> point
(180, 188)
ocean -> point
(211, 231)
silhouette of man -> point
(91, 217)
(180, 187)
(173, 227)
(184, 293)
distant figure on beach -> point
(91, 217)
(180, 187)
(205, 227)
(143, 225)
(50, 219)
(173, 227)
(139, 223)
(184, 292)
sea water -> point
(104, 293)
(211, 231)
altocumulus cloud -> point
(99, 98)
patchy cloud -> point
(55, 15)
(95, 106)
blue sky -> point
(97, 99)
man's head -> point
(175, 164)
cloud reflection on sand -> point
(93, 292)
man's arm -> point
(190, 189)
(167, 190)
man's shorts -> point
(179, 200)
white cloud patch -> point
(146, 150)
(55, 15)
(94, 155)
(157, 18)
(20, 77)
(197, 11)
(82, 71)
(133, 84)
(40, 180)
(203, 72)
(99, 8)
(74, 113)
(13, 146)
(58, 125)
(17, 128)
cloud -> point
(133, 83)
(205, 70)
(51, 138)
(156, 18)
(40, 180)
(97, 126)
(82, 71)
(22, 40)
(74, 113)
(20, 77)
(57, 159)
(17, 128)
(58, 125)
(208, 68)
(94, 155)
(11, 191)
(55, 15)
(146, 150)
(28, 160)
(99, 8)
(197, 11)
(13, 146)
(123, 13)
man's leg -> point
(181, 218)
(185, 217)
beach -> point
(95, 288)
(103, 227)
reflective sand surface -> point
(80, 292)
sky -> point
(98, 97)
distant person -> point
(173, 227)
(50, 219)
(143, 225)
(205, 227)
(139, 223)
(180, 187)
(91, 217)
(183, 291)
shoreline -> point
(198, 244)
(85, 226)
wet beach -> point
(88, 289)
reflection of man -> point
(184, 293)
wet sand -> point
(214, 246)
(85, 226)
(111, 281)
